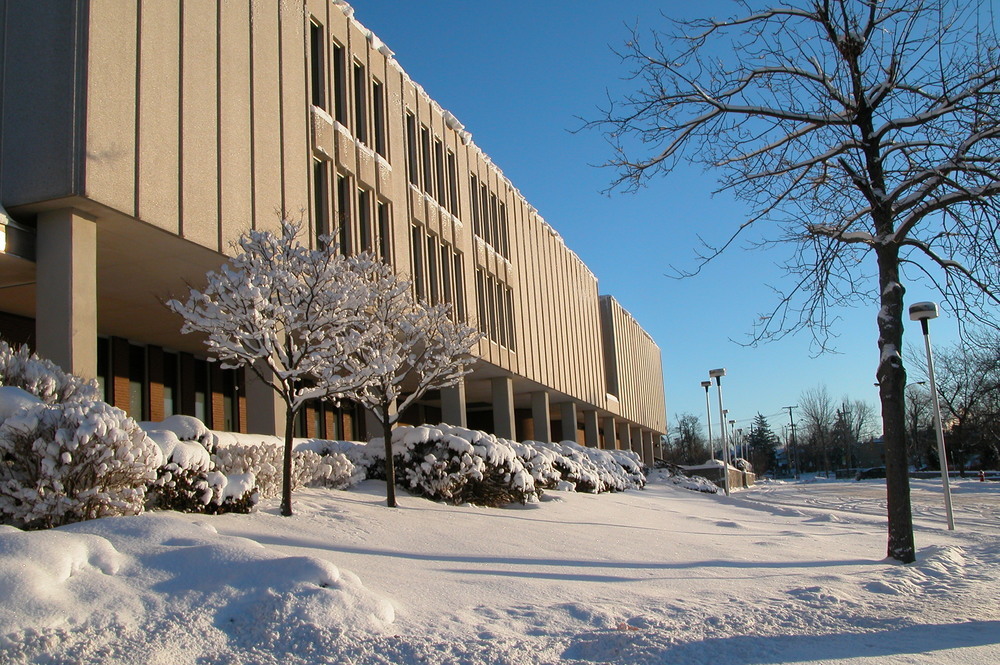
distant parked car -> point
(873, 472)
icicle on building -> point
(140, 139)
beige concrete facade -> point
(167, 129)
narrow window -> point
(432, 271)
(339, 80)
(317, 69)
(364, 220)
(378, 117)
(484, 211)
(459, 288)
(384, 251)
(104, 375)
(230, 415)
(511, 343)
(360, 103)
(425, 162)
(321, 199)
(491, 307)
(477, 225)
(411, 149)
(201, 410)
(452, 184)
(447, 288)
(501, 314)
(343, 215)
(137, 385)
(417, 247)
(492, 232)
(171, 380)
(439, 190)
(504, 232)
(481, 301)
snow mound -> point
(157, 574)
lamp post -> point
(924, 312)
(708, 417)
(717, 374)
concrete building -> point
(139, 139)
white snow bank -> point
(173, 583)
(14, 400)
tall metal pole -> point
(708, 417)
(717, 374)
(938, 427)
(792, 452)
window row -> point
(495, 302)
(430, 166)
(437, 272)
(150, 383)
(489, 217)
(353, 216)
(367, 94)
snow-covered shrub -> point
(674, 475)
(540, 463)
(23, 369)
(455, 465)
(595, 470)
(66, 462)
(188, 481)
(186, 428)
(264, 461)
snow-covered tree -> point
(288, 313)
(867, 132)
(409, 348)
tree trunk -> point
(892, 382)
(286, 465)
(390, 466)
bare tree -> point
(819, 416)
(409, 348)
(866, 132)
(688, 445)
(968, 385)
(287, 312)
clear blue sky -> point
(518, 74)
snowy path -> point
(784, 573)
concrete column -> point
(567, 411)
(625, 437)
(540, 416)
(265, 410)
(503, 407)
(610, 436)
(636, 440)
(647, 447)
(591, 437)
(66, 290)
(453, 405)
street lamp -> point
(717, 374)
(924, 312)
(708, 417)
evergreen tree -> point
(763, 444)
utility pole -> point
(794, 455)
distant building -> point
(140, 139)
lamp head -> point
(716, 373)
(922, 311)
(706, 384)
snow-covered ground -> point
(782, 573)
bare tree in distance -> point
(862, 132)
(818, 416)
